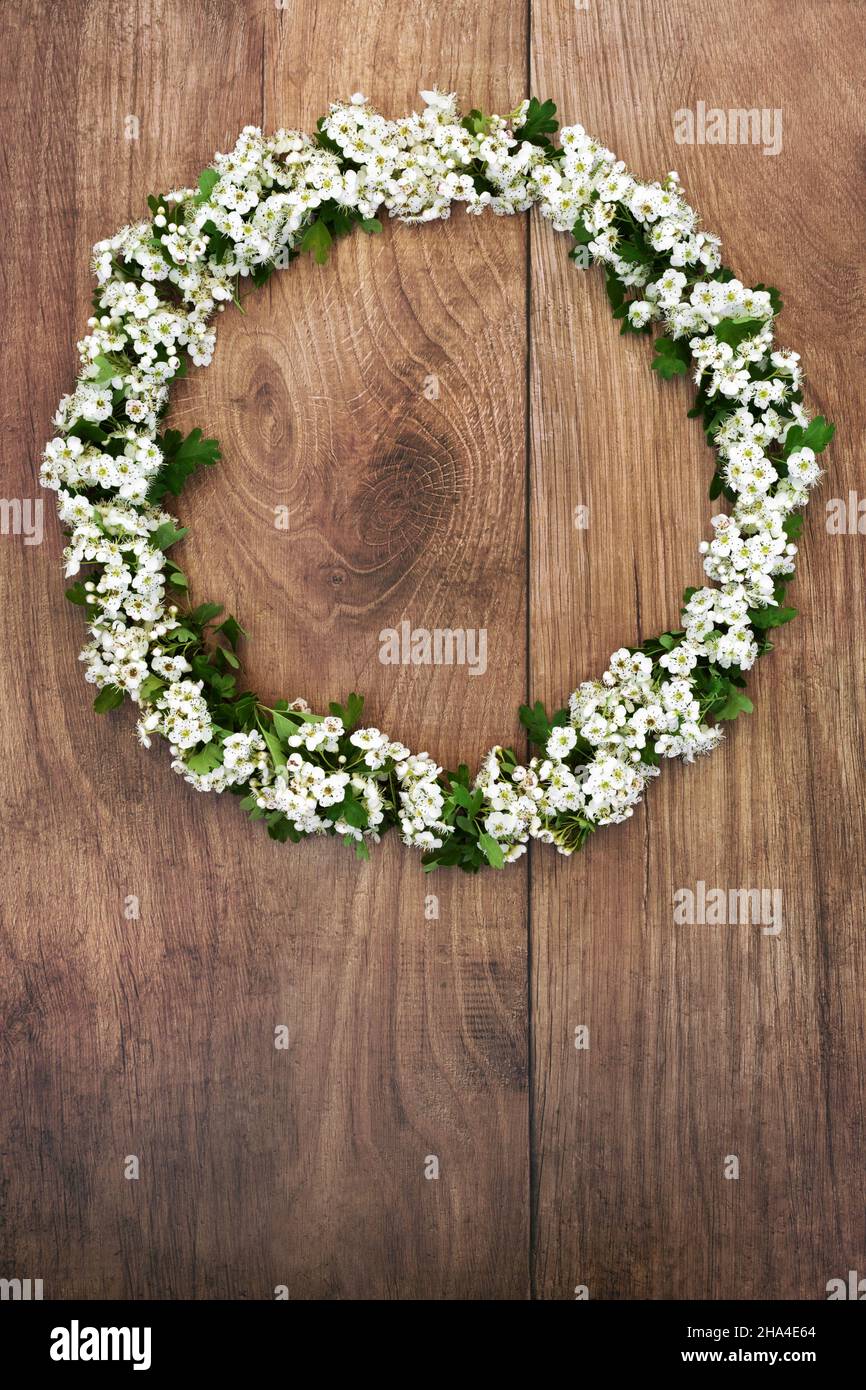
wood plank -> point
(155, 1037)
(408, 1037)
(394, 499)
(119, 1046)
(704, 1041)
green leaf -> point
(108, 698)
(461, 795)
(193, 448)
(219, 243)
(78, 594)
(615, 292)
(350, 713)
(317, 239)
(771, 617)
(538, 122)
(352, 812)
(232, 632)
(371, 225)
(285, 727)
(275, 748)
(181, 457)
(206, 612)
(207, 182)
(107, 370)
(205, 671)
(338, 220)
(87, 432)
(150, 687)
(735, 331)
(167, 535)
(735, 704)
(635, 252)
(818, 434)
(714, 419)
(476, 122)
(492, 850)
(206, 759)
(280, 828)
(534, 719)
(672, 357)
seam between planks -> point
(530, 1051)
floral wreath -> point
(114, 470)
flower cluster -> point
(631, 709)
(160, 283)
(352, 778)
(623, 724)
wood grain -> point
(453, 1037)
(704, 1041)
(302, 1168)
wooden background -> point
(452, 1037)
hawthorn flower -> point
(561, 742)
(161, 284)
